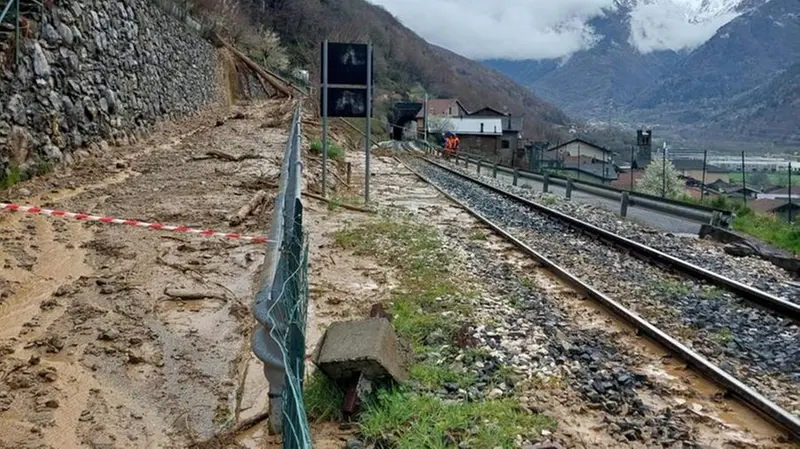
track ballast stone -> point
(752, 270)
(746, 341)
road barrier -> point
(280, 306)
(696, 212)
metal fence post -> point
(546, 183)
(480, 162)
(516, 176)
(623, 207)
(791, 218)
(744, 181)
(569, 189)
(703, 182)
(494, 171)
(349, 172)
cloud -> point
(669, 27)
(510, 29)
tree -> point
(653, 180)
(439, 124)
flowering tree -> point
(653, 181)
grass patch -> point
(13, 177)
(335, 152)
(322, 398)
(435, 376)
(428, 309)
(673, 288)
(478, 235)
(770, 229)
(412, 421)
(549, 200)
(530, 283)
(723, 336)
(711, 292)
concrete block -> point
(367, 346)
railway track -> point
(753, 318)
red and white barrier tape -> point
(139, 224)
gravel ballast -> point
(746, 341)
(754, 271)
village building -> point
(694, 169)
(781, 209)
(579, 149)
(781, 193)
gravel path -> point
(754, 271)
(749, 343)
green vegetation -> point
(762, 178)
(422, 421)
(710, 292)
(335, 152)
(764, 227)
(477, 235)
(434, 376)
(13, 177)
(723, 336)
(429, 308)
(673, 288)
(322, 398)
(16, 175)
(769, 229)
(549, 200)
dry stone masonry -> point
(100, 71)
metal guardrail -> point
(280, 306)
(697, 212)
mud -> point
(94, 353)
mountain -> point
(682, 91)
(403, 60)
(766, 111)
(742, 55)
(594, 82)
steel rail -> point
(759, 297)
(737, 388)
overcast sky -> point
(539, 29)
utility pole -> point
(703, 182)
(790, 192)
(664, 173)
(425, 117)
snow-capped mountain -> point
(696, 10)
(683, 62)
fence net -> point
(280, 307)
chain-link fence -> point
(281, 303)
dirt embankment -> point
(98, 347)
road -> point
(658, 220)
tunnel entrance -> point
(401, 114)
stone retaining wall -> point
(101, 70)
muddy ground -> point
(94, 353)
